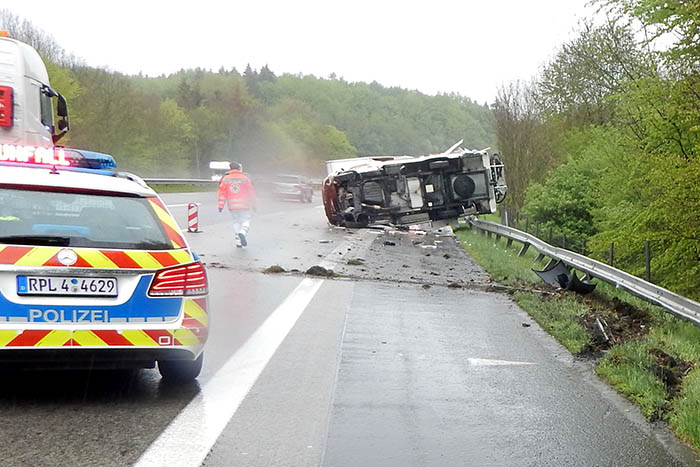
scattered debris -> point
(355, 262)
(275, 269)
(319, 271)
(429, 246)
(454, 285)
(526, 325)
(447, 256)
(426, 286)
(389, 243)
(602, 329)
(325, 241)
(405, 266)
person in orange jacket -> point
(237, 192)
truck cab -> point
(26, 98)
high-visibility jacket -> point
(236, 190)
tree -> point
(522, 138)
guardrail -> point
(675, 304)
(180, 181)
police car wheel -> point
(180, 370)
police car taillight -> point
(190, 279)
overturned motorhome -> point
(408, 190)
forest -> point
(174, 125)
(603, 145)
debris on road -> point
(319, 271)
(275, 269)
(355, 262)
(325, 241)
(389, 243)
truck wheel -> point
(181, 371)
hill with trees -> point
(174, 125)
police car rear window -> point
(30, 217)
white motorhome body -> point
(26, 111)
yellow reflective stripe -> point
(144, 259)
(88, 338)
(174, 244)
(193, 310)
(181, 256)
(6, 336)
(138, 337)
(97, 259)
(54, 338)
(185, 336)
(2, 248)
(164, 216)
(37, 256)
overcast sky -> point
(464, 46)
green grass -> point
(686, 410)
(503, 264)
(176, 188)
(627, 366)
(559, 317)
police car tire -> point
(180, 370)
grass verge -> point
(648, 355)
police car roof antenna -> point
(54, 171)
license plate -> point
(64, 285)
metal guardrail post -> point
(611, 254)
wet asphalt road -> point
(386, 366)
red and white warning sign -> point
(192, 218)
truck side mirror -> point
(62, 107)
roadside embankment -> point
(649, 356)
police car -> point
(94, 272)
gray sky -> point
(469, 47)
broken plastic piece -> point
(560, 275)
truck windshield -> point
(31, 217)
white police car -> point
(94, 272)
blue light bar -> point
(80, 158)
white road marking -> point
(488, 362)
(191, 435)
